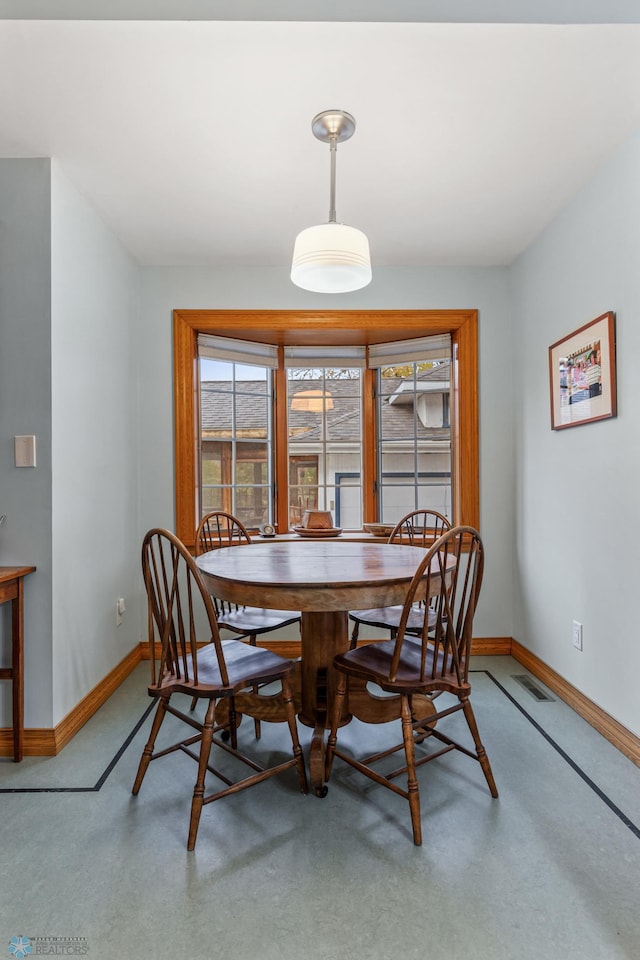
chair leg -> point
(480, 750)
(233, 723)
(293, 728)
(256, 723)
(412, 779)
(354, 635)
(147, 753)
(198, 790)
(338, 703)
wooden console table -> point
(11, 588)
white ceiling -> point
(192, 139)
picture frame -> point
(582, 374)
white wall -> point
(25, 408)
(577, 489)
(69, 299)
(166, 289)
(95, 305)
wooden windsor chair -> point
(420, 528)
(436, 662)
(178, 604)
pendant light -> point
(331, 257)
(312, 401)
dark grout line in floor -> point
(565, 756)
(101, 779)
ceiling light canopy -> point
(331, 257)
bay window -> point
(367, 415)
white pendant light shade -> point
(331, 258)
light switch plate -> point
(25, 451)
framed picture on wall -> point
(582, 374)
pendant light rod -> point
(333, 148)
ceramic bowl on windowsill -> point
(379, 529)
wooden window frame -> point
(326, 327)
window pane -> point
(398, 462)
(325, 499)
(325, 427)
(251, 461)
(216, 373)
(395, 502)
(247, 374)
(303, 470)
(252, 415)
(303, 486)
(436, 496)
(301, 499)
(211, 462)
(345, 502)
(396, 422)
(252, 505)
(343, 422)
(216, 411)
(212, 498)
(414, 445)
(236, 450)
(348, 479)
(389, 383)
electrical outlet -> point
(576, 635)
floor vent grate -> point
(532, 688)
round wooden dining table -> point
(324, 579)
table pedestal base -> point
(313, 704)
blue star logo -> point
(20, 946)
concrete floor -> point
(551, 869)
